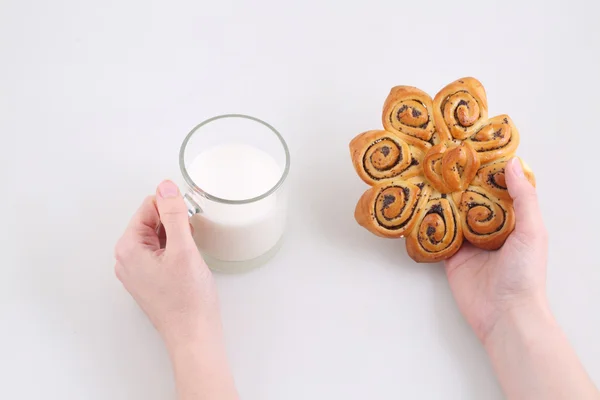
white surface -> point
(95, 99)
(237, 232)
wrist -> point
(205, 349)
(532, 357)
(200, 366)
(183, 328)
(525, 322)
(191, 332)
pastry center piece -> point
(450, 167)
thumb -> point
(529, 222)
(173, 215)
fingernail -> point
(168, 189)
(517, 168)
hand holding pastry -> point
(488, 283)
(503, 298)
(437, 171)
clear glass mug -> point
(233, 233)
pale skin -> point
(174, 287)
(500, 293)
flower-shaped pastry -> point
(437, 171)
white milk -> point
(229, 232)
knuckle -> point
(172, 206)
(527, 201)
(148, 201)
(529, 195)
(544, 236)
(173, 215)
(119, 271)
(123, 250)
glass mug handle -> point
(192, 206)
(193, 209)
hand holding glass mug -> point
(174, 287)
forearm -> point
(201, 368)
(533, 359)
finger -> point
(162, 235)
(173, 215)
(146, 215)
(140, 237)
(142, 227)
(529, 222)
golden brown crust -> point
(391, 208)
(437, 171)
(497, 138)
(460, 109)
(379, 155)
(491, 178)
(437, 234)
(407, 111)
(486, 221)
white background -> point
(95, 98)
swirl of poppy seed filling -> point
(455, 117)
(416, 113)
(388, 200)
(439, 210)
(385, 150)
(491, 179)
(497, 134)
(412, 117)
(492, 215)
